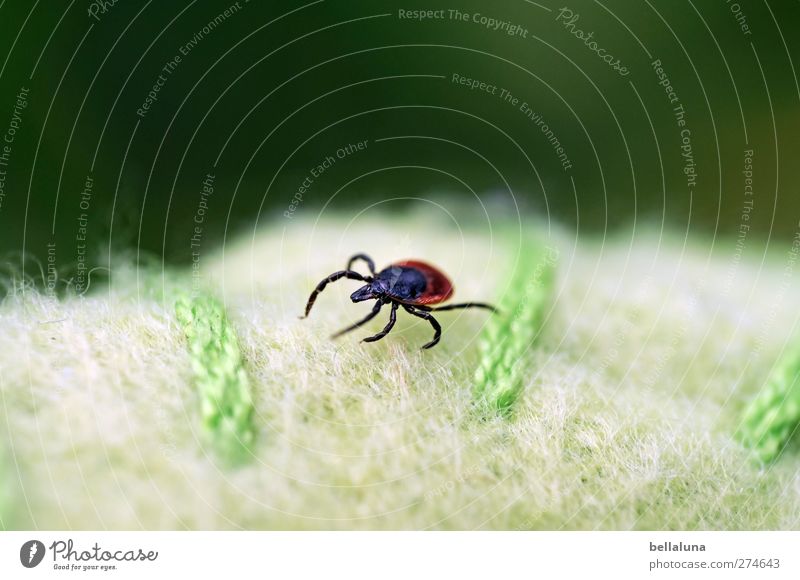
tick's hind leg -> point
(437, 330)
(387, 328)
(365, 258)
(332, 278)
(466, 305)
(367, 318)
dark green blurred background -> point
(282, 86)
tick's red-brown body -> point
(438, 286)
(412, 284)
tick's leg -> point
(466, 305)
(367, 318)
(437, 330)
(367, 259)
(387, 328)
(332, 278)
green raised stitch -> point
(774, 415)
(226, 405)
(509, 336)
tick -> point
(412, 284)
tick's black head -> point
(395, 282)
(367, 292)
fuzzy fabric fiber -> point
(652, 347)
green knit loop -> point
(509, 336)
(773, 416)
(226, 405)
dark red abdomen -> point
(438, 287)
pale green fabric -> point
(625, 411)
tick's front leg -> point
(367, 318)
(387, 328)
(332, 278)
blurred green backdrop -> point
(264, 92)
